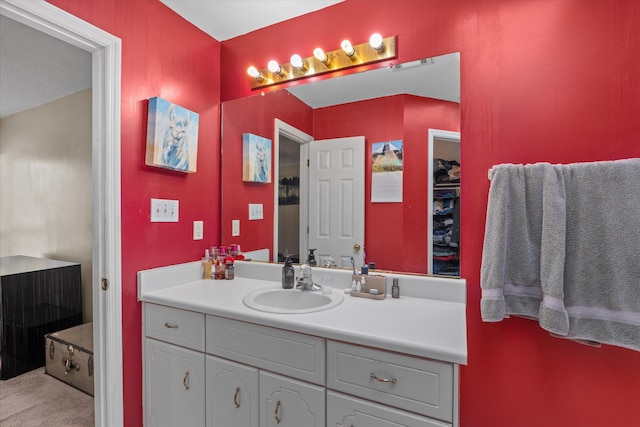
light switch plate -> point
(255, 211)
(198, 230)
(235, 227)
(164, 210)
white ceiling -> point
(225, 19)
(36, 68)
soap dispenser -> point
(312, 258)
(288, 273)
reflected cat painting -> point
(256, 158)
(172, 136)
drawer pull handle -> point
(382, 380)
(276, 414)
(235, 397)
(170, 325)
(185, 380)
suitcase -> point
(69, 356)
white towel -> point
(562, 244)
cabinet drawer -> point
(348, 411)
(180, 327)
(417, 385)
(288, 353)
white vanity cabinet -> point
(174, 376)
(208, 370)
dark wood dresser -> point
(37, 296)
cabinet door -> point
(346, 411)
(232, 394)
(289, 403)
(173, 385)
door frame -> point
(282, 128)
(106, 53)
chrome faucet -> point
(305, 282)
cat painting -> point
(172, 136)
(256, 158)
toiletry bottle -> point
(288, 273)
(206, 265)
(353, 285)
(229, 271)
(220, 265)
(395, 289)
(240, 255)
(363, 285)
(358, 286)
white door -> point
(336, 199)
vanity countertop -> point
(421, 327)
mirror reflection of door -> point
(336, 191)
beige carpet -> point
(37, 399)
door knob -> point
(356, 247)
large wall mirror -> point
(328, 139)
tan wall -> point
(45, 185)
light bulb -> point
(320, 55)
(376, 41)
(253, 72)
(348, 49)
(297, 62)
(274, 67)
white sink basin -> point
(291, 301)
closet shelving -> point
(446, 230)
(443, 240)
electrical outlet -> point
(235, 227)
(255, 211)
(164, 210)
(198, 230)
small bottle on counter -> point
(206, 265)
(229, 271)
(395, 289)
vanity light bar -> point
(324, 62)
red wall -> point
(541, 80)
(162, 55)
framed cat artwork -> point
(172, 136)
(256, 158)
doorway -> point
(288, 136)
(106, 257)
